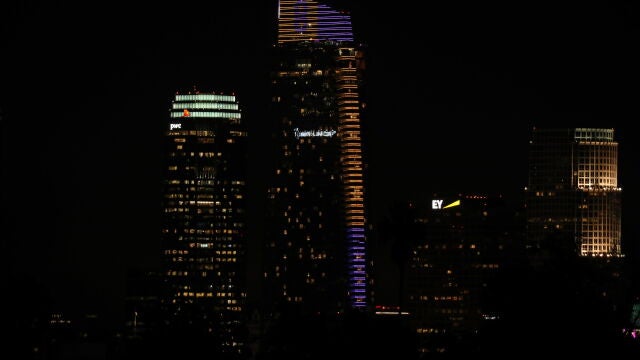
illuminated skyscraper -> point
(573, 189)
(204, 225)
(316, 246)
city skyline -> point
(456, 121)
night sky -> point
(452, 93)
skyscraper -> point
(316, 246)
(451, 249)
(573, 189)
(204, 225)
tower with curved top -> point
(573, 190)
(204, 222)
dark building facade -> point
(573, 190)
(204, 225)
(454, 249)
(315, 253)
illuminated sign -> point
(313, 133)
(175, 126)
(185, 113)
(455, 203)
(437, 204)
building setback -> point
(573, 190)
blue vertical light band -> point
(357, 267)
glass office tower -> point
(204, 224)
(573, 189)
(316, 246)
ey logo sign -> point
(437, 204)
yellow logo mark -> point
(455, 203)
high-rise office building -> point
(316, 246)
(573, 191)
(204, 224)
(455, 247)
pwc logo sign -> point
(438, 204)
